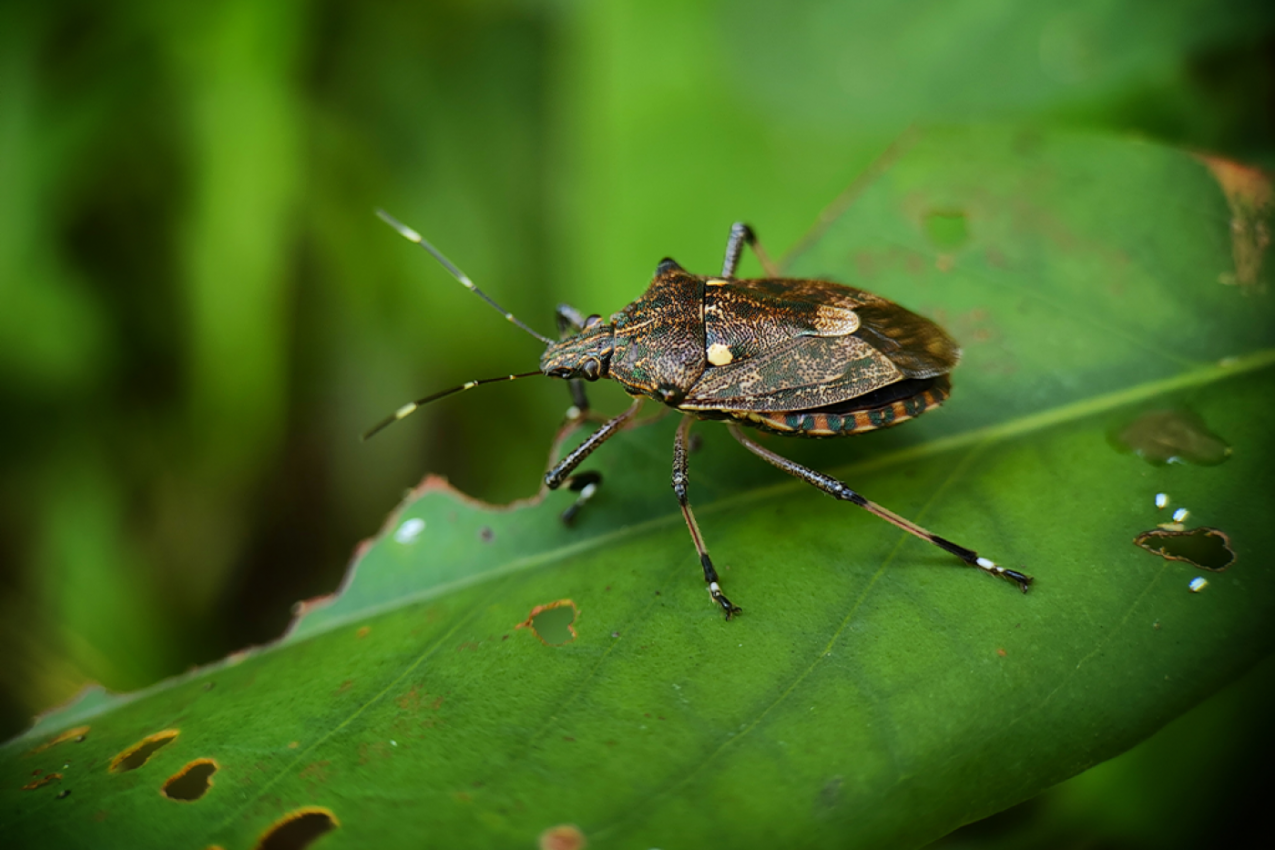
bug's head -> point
(585, 355)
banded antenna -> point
(411, 407)
(413, 236)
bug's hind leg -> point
(679, 487)
(740, 235)
(837, 490)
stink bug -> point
(805, 358)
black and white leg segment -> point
(585, 484)
(838, 490)
(679, 487)
(555, 477)
(741, 235)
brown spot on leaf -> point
(138, 754)
(47, 779)
(316, 771)
(77, 734)
(565, 836)
(1169, 436)
(298, 829)
(1206, 548)
(363, 632)
(554, 623)
(1248, 194)
(1001, 652)
(191, 782)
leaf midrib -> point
(1211, 373)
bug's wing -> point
(918, 347)
(783, 345)
(803, 373)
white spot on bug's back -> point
(719, 354)
(716, 282)
(1197, 584)
(409, 530)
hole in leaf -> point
(1206, 548)
(191, 782)
(553, 624)
(298, 829)
(77, 734)
(1173, 436)
(42, 781)
(565, 836)
(138, 754)
(947, 229)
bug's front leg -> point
(838, 490)
(570, 321)
(679, 487)
(586, 483)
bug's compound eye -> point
(592, 320)
(592, 369)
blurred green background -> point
(199, 313)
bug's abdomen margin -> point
(882, 408)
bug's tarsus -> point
(413, 406)
(838, 490)
(412, 236)
(586, 484)
(680, 481)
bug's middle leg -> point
(679, 487)
(838, 490)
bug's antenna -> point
(412, 406)
(413, 236)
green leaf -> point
(875, 692)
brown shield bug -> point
(805, 358)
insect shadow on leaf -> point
(805, 358)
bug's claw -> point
(730, 608)
(1022, 580)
